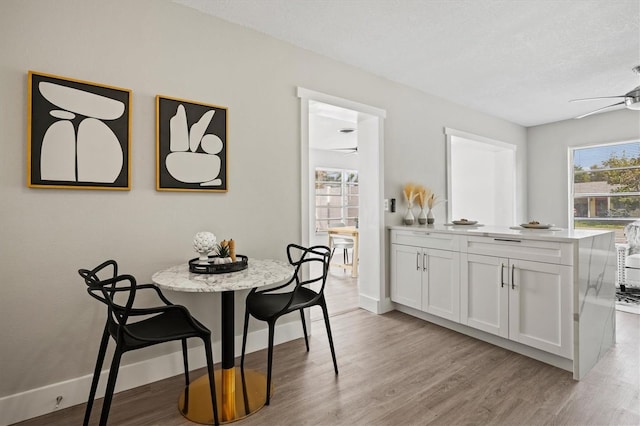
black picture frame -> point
(191, 146)
(78, 134)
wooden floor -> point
(341, 293)
(398, 370)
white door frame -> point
(371, 276)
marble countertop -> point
(552, 234)
(259, 273)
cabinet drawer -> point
(517, 248)
(426, 239)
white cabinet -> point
(424, 278)
(441, 283)
(545, 294)
(484, 295)
(540, 306)
(490, 284)
(406, 275)
(527, 302)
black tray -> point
(218, 268)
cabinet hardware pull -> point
(417, 261)
(513, 279)
(502, 276)
(424, 261)
(509, 240)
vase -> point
(409, 218)
(203, 244)
(430, 218)
(422, 217)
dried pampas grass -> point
(409, 192)
(423, 195)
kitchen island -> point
(546, 293)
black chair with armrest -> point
(158, 324)
(270, 304)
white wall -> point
(548, 147)
(50, 327)
(415, 148)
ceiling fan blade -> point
(601, 97)
(600, 109)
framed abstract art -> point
(191, 146)
(78, 134)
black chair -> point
(270, 304)
(159, 324)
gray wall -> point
(50, 328)
(548, 148)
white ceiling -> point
(518, 60)
(325, 125)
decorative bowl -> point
(464, 222)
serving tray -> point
(242, 262)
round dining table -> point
(232, 405)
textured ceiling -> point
(518, 60)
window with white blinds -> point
(337, 198)
(606, 186)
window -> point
(336, 198)
(606, 186)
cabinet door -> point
(406, 275)
(441, 283)
(484, 297)
(540, 306)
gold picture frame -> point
(78, 134)
(191, 146)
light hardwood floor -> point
(341, 293)
(399, 370)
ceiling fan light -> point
(631, 99)
(633, 102)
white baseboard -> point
(386, 306)
(37, 402)
(368, 303)
(374, 305)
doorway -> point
(334, 160)
(366, 140)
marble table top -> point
(551, 234)
(259, 273)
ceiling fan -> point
(349, 150)
(631, 99)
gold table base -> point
(234, 400)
